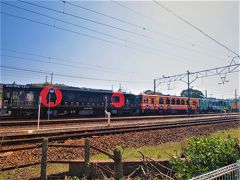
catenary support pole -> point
(188, 92)
(154, 86)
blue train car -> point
(214, 105)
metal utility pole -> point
(49, 97)
(154, 86)
(236, 99)
(188, 90)
(46, 80)
(185, 77)
(205, 93)
(51, 78)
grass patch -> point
(233, 132)
(162, 151)
(32, 172)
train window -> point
(167, 101)
(136, 100)
(187, 102)
(5, 102)
(15, 95)
(152, 100)
(178, 101)
(173, 101)
(182, 102)
(115, 99)
(7, 95)
(220, 103)
(161, 101)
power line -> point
(160, 33)
(112, 36)
(76, 32)
(153, 20)
(65, 60)
(105, 15)
(83, 18)
(67, 22)
(93, 21)
(195, 27)
(138, 26)
(220, 71)
(155, 51)
(55, 63)
(69, 76)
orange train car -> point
(235, 106)
(167, 104)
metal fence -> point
(230, 172)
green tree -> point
(205, 154)
(151, 92)
(194, 93)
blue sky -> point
(132, 55)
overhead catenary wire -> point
(195, 27)
(49, 58)
(55, 63)
(69, 76)
(105, 15)
(152, 52)
(116, 37)
(124, 21)
(160, 33)
(67, 22)
(83, 18)
(112, 36)
(76, 32)
(100, 23)
(142, 28)
(153, 20)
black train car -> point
(19, 99)
(23, 100)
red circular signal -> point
(118, 99)
(51, 93)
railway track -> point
(105, 130)
(29, 122)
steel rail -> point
(55, 136)
(92, 120)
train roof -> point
(62, 87)
(71, 88)
(174, 96)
